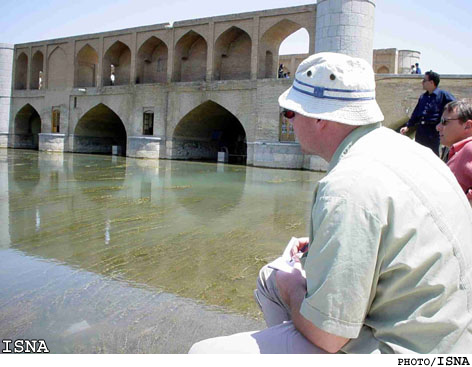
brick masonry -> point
(198, 77)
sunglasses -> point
(444, 121)
(288, 114)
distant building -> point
(393, 61)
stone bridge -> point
(183, 91)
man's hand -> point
(292, 289)
(469, 195)
(404, 130)
(301, 246)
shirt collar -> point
(435, 92)
(458, 146)
(349, 141)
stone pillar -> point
(6, 68)
(211, 51)
(345, 26)
(255, 48)
(134, 55)
(151, 147)
(52, 142)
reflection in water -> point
(194, 230)
(38, 220)
(107, 232)
(208, 192)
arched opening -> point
(37, 65)
(116, 65)
(57, 69)
(292, 51)
(269, 46)
(151, 65)
(207, 130)
(21, 71)
(232, 55)
(190, 58)
(383, 70)
(98, 131)
(86, 67)
(27, 127)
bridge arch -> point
(206, 130)
(26, 128)
(383, 70)
(98, 130)
(151, 63)
(21, 71)
(57, 69)
(269, 46)
(117, 62)
(37, 72)
(86, 67)
(190, 58)
(232, 55)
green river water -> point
(102, 254)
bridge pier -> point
(6, 68)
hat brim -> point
(346, 112)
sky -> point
(440, 30)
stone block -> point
(335, 19)
(51, 142)
(344, 19)
(332, 31)
(356, 7)
(346, 6)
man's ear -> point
(322, 123)
(468, 125)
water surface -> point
(114, 254)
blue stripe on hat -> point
(318, 92)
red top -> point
(460, 162)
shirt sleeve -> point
(468, 167)
(340, 266)
(449, 98)
(415, 115)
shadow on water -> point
(194, 230)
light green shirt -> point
(390, 259)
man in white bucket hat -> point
(388, 264)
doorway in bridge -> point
(27, 127)
(281, 49)
(207, 130)
(100, 131)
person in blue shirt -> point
(428, 112)
(418, 69)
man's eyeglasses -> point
(444, 121)
(288, 114)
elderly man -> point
(387, 266)
(455, 132)
(428, 111)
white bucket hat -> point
(334, 87)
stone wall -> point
(6, 69)
(201, 79)
(393, 61)
(398, 95)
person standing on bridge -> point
(428, 112)
(386, 268)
